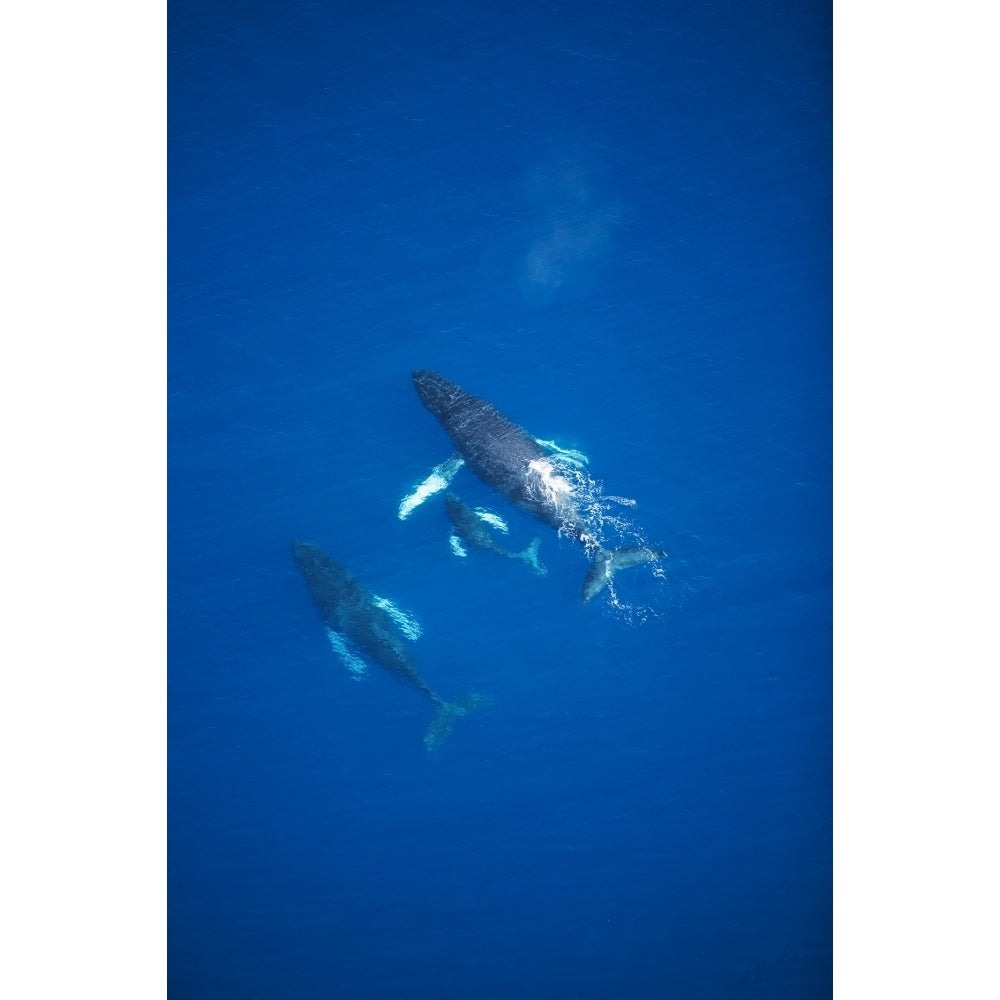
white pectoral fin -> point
(350, 659)
(439, 478)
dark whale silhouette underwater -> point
(352, 612)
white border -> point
(82, 391)
(916, 501)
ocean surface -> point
(612, 221)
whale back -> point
(501, 453)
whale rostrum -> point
(508, 459)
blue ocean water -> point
(612, 220)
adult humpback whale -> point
(511, 461)
(351, 611)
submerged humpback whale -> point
(351, 611)
(468, 526)
(508, 459)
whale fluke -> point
(530, 556)
(445, 715)
(353, 615)
(607, 562)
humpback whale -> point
(470, 528)
(350, 611)
(508, 459)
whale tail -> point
(530, 556)
(607, 561)
(446, 713)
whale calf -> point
(469, 527)
(351, 612)
(508, 459)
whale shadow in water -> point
(353, 613)
(508, 459)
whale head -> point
(439, 395)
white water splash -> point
(608, 523)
